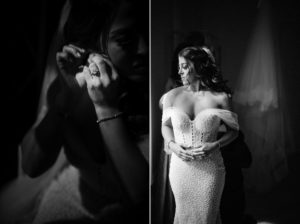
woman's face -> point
(127, 47)
(186, 71)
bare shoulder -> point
(170, 96)
(174, 92)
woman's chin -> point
(138, 77)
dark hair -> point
(88, 23)
(205, 68)
(194, 38)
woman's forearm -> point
(130, 165)
(167, 133)
(227, 138)
(41, 144)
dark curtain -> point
(27, 30)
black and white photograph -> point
(225, 112)
(150, 112)
(78, 112)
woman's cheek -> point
(120, 58)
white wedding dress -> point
(197, 185)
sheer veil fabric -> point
(259, 101)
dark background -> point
(231, 23)
(27, 28)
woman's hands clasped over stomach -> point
(190, 154)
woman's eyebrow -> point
(121, 31)
(183, 63)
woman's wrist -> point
(107, 113)
(170, 143)
(218, 144)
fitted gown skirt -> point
(197, 187)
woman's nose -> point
(180, 72)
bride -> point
(192, 117)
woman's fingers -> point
(114, 74)
(69, 60)
(197, 152)
(105, 66)
(185, 155)
(61, 55)
(94, 70)
(192, 154)
(92, 81)
(102, 88)
(81, 50)
(80, 78)
(98, 60)
(62, 58)
(71, 51)
(103, 72)
(184, 158)
(87, 74)
(99, 70)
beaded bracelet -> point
(110, 118)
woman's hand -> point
(69, 61)
(205, 150)
(103, 82)
(180, 152)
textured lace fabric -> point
(203, 128)
(197, 185)
(191, 133)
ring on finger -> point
(95, 73)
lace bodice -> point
(203, 128)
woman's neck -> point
(195, 86)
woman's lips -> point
(139, 73)
(140, 69)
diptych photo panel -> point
(150, 112)
(80, 151)
(223, 111)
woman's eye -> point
(124, 41)
(182, 67)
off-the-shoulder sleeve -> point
(166, 114)
(229, 118)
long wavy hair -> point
(206, 69)
(88, 23)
